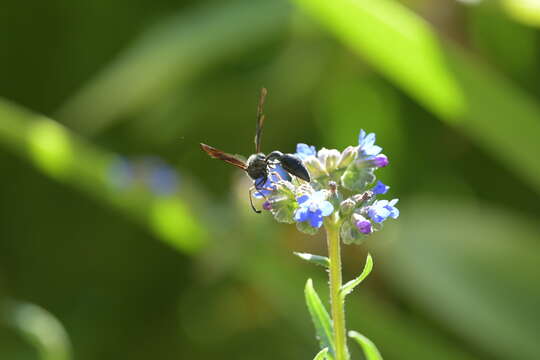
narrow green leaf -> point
(320, 317)
(349, 286)
(322, 355)
(368, 347)
(396, 42)
(315, 259)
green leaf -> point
(39, 327)
(322, 355)
(169, 55)
(369, 348)
(396, 42)
(320, 317)
(474, 268)
(349, 286)
(315, 259)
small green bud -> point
(306, 228)
(346, 207)
(357, 177)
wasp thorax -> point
(257, 167)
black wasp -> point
(259, 166)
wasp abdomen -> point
(294, 166)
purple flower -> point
(313, 208)
(362, 224)
(304, 151)
(380, 161)
(382, 209)
(366, 145)
(267, 205)
(380, 188)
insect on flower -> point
(260, 166)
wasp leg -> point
(251, 189)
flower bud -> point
(329, 158)
(357, 177)
(362, 224)
(380, 161)
(347, 157)
(347, 207)
(350, 234)
(315, 167)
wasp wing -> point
(218, 154)
(260, 120)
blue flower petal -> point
(304, 150)
(301, 214)
(302, 199)
(326, 208)
(380, 188)
(316, 219)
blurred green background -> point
(120, 239)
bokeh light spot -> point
(172, 221)
(50, 147)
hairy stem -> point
(338, 311)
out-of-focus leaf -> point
(524, 11)
(62, 155)
(501, 118)
(475, 269)
(322, 355)
(314, 259)
(347, 288)
(398, 43)
(368, 347)
(168, 54)
(320, 317)
(38, 327)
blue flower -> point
(266, 188)
(366, 145)
(312, 208)
(382, 209)
(304, 151)
(163, 180)
(380, 188)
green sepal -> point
(368, 347)
(314, 259)
(306, 228)
(320, 317)
(321, 355)
(357, 177)
(350, 234)
(347, 288)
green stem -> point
(338, 312)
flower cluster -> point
(342, 185)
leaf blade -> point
(349, 286)
(368, 347)
(320, 317)
(314, 259)
(321, 355)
